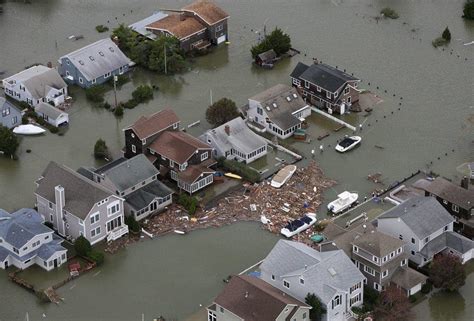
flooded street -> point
(173, 275)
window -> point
(204, 156)
(6, 112)
(81, 81)
(301, 280)
(328, 94)
(318, 89)
(403, 262)
(369, 270)
(273, 277)
(50, 205)
(427, 239)
(446, 228)
(296, 82)
(384, 274)
(91, 58)
(95, 232)
(113, 209)
(286, 284)
(456, 208)
(304, 315)
(259, 111)
(175, 125)
(16, 250)
(306, 84)
(63, 256)
(67, 62)
(81, 62)
(445, 202)
(376, 286)
(356, 249)
(400, 237)
(121, 70)
(355, 287)
(107, 75)
(94, 81)
(211, 316)
(384, 259)
(337, 301)
(134, 149)
(375, 259)
(46, 237)
(67, 73)
(346, 91)
(399, 250)
(101, 53)
(95, 218)
(412, 252)
(182, 167)
(111, 49)
(171, 163)
(219, 28)
(413, 240)
(355, 299)
(392, 254)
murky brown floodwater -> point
(172, 275)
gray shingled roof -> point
(423, 215)
(47, 250)
(450, 240)
(377, 243)
(451, 192)
(240, 137)
(38, 79)
(407, 277)
(106, 56)
(145, 195)
(126, 173)
(48, 110)
(326, 77)
(81, 194)
(140, 26)
(282, 114)
(20, 227)
(299, 69)
(290, 258)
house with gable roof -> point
(25, 240)
(427, 228)
(94, 64)
(35, 85)
(10, 115)
(297, 269)
(251, 299)
(325, 86)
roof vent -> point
(246, 294)
(332, 271)
(295, 95)
(288, 98)
(274, 105)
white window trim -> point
(384, 274)
(204, 156)
(134, 149)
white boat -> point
(283, 176)
(264, 220)
(348, 143)
(298, 226)
(28, 130)
(344, 201)
(179, 232)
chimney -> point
(60, 200)
(465, 182)
(49, 64)
(227, 130)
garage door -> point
(221, 39)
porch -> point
(117, 233)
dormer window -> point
(375, 259)
(101, 53)
(81, 62)
(301, 280)
(328, 94)
(355, 249)
(91, 58)
(111, 49)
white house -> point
(78, 206)
(35, 85)
(297, 269)
(52, 115)
(280, 110)
(427, 228)
(25, 240)
(234, 140)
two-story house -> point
(279, 110)
(427, 228)
(94, 64)
(235, 140)
(25, 240)
(135, 180)
(196, 26)
(78, 206)
(248, 298)
(297, 269)
(326, 87)
(185, 158)
(35, 85)
(10, 115)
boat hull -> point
(28, 130)
(283, 176)
(342, 149)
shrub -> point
(142, 94)
(130, 104)
(446, 35)
(276, 40)
(96, 256)
(221, 112)
(317, 308)
(427, 287)
(101, 150)
(121, 80)
(412, 298)
(468, 11)
(95, 93)
(389, 13)
(447, 272)
(82, 246)
(9, 142)
(106, 105)
(101, 28)
(133, 225)
(190, 203)
(371, 298)
(241, 169)
(53, 129)
(118, 111)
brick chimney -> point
(60, 200)
(465, 182)
(227, 130)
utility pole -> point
(115, 90)
(210, 94)
(166, 67)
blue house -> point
(10, 115)
(94, 64)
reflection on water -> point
(447, 306)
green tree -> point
(95, 93)
(468, 11)
(276, 40)
(133, 225)
(393, 306)
(175, 61)
(125, 37)
(101, 150)
(8, 141)
(82, 246)
(446, 34)
(221, 112)
(317, 308)
(118, 111)
(96, 256)
(142, 93)
(447, 272)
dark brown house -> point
(326, 87)
(197, 25)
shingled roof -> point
(178, 25)
(207, 10)
(451, 192)
(325, 76)
(147, 126)
(252, 299)
(377, 243)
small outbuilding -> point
(266, 59)
(52, 115)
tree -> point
(133, 225)
(8, 141)
(447, 272)
(142, 94)
(118, 111)
(221, 112)
(175, 61)
(100, 149)
(446, 34)
(276, 40)
(317, 308)
(469, 10)
(393, 306)
(82, 246)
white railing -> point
(117, 233)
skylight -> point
(332, 271)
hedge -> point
(240, 169)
